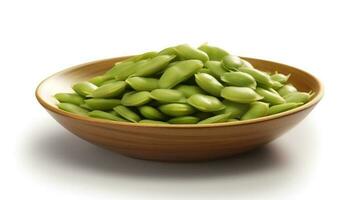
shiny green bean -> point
(209, 84)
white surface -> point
(40, 159)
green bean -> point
(153, 66)
(232, 63)
(72, 108)
(270, 97)
(84, 88)
(150, 112)
(205, 103)
(119, 69)
(297, 97)
(280, 77)
(257, 109)
(127, 114)
(69, 98)
(184, 120)
(179, 73)
(143, 83)
(102, 104)
(130, 69)
(287, 89)
(259, 76)
(214, 53)
(186, 52)
(189, 90)
(239, 79)
(177, 109)
(240, 94)
(105, 115)
(135, 98)
(215, 119)
(216, 69)
(282, 107)
(109, 90)
(98, 80)
(168, 96)
(236, 110)
(209, 84)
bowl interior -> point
(63, 80)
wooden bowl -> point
(176, 142)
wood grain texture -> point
(176, 142)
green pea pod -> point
(179, 73)
(127, 114)
(102, 104)
(120, 68)
(246, 63)
(184, 120)
(105, 115)
(186, 52)
(281, 78)
(270, 97)
(214, 53)
(282, 107)
(236, 110)
(84, 88)
(215, 119)
(239, 79)
(129, 70)
(149, 121)
(168, 96)
(232, 63)
(152, 113)
(189, 90)
(135, 98)
(69, 98)
(240, 94)
(209, 84)
(259, 76)
(109, 90)
(257, 109)
(143, 83)
(297, 97)
(153, 66)
(177, 109)
(205, 103)
(216, 69)
(143, 56)
(287, 89)
(99, 80)
(72, 108)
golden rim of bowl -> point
(315, 99)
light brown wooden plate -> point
(176, 142)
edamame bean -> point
(215, 119)
(259, 76)
(69, 98)
(150, 112)
(297, 97)
(270, 97)
(186, 52)
(280, 77)
(98, 80)
(135, 98)
(236, 110)
(205, 103)
(109, 90)
(282, 107)
(72, 108)
(107, 82)
(189, 90)
(215, 68)
(209, 84)
(287, 89)
(84, 88)
(143, 83)
(126, 113)
(168, 96)
(179, 73)
(257, 109)
(177, 109)
(246, 63)
(102, 104)
(240, 94)
(143, 56)
(105, 115)
(184, 120)
(129, 70)
(239, 79)
(153, 66)
(232, 63)
(121, 70)
(214, 53)
(168, 51)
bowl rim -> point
(315, 99)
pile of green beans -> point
(183, 85)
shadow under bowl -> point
(176, 142)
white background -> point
(41, 160)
